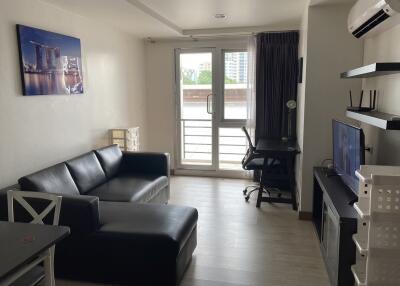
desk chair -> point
(49, 205)
(252, 161)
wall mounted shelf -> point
(376, 69)
(378, 119)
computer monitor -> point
(348, 152)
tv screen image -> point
(348, 152)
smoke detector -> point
(220, 16)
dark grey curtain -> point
(276, 82)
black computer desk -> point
(281, 150)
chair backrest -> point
(37, 217)
(250, 154)
(251, 146)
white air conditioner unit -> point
(368, 17)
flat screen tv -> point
(348, 152)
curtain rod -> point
(243, 34)
(277, 31)
(240, 34)
(222, 35)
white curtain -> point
(251, 84)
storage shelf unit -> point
(361, 210)
(359, 276)
(379, 119)
(376, 69)
(378, 232)
(126, 138)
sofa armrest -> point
(145, 163)
(80, 213)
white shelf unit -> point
(378, 236)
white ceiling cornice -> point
(238, 30)
(330, 2)
(210, 31)
(178, 18)
(144, 8)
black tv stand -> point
(335, 222)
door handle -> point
(209, 110)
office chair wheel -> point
(247, 198)
(244, 192)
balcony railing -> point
(197, 144)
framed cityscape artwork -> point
(50, 62)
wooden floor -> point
(239, 244)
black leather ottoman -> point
(136, 244)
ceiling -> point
(199, 14)
(118, 13)
(174, 18)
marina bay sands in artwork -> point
(50, 62)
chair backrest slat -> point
(37, 218)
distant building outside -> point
(236, 66)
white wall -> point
(330, 51)
(42, 130)
(384, 48)
(161, 98)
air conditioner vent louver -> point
(371, 23)
(371, 17)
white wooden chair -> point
(37, 218)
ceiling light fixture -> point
(220, 16)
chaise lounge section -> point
(122, 230)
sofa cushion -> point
(131, 188)
(86, 171)
(110, 158)
(56, 179)
(148, 223)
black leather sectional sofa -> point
(122, 231)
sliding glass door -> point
(211, 89)
(196, 87)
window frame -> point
(224, 122)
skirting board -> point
(216, 174)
